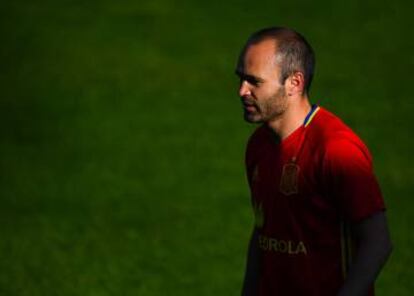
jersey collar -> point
(315, 108)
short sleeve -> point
(349, 178)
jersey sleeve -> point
(349, 178)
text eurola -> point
(281, 246)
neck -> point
(291, 119)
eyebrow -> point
(248, 77)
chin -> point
(251, 118)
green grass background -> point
(122, 140)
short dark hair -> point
(293, 51)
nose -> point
(244, 89)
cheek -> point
(263, 92)
(273, 87)
(268, 94)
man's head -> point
(275, 66)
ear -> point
(295, 84)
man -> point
(320, 224)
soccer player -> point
(320, 226)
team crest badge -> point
(289, 180)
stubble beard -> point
(268, 110)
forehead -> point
(259, 57)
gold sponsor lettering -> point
(262, 242)
(282, 246)
(273, 244)
(301, 248)
(290, 250)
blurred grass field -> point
(122, 139)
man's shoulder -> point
(328, 127)
(330, 132)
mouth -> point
(249, 106)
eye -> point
(250, 79)
(253, 81)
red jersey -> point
(306, 190)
